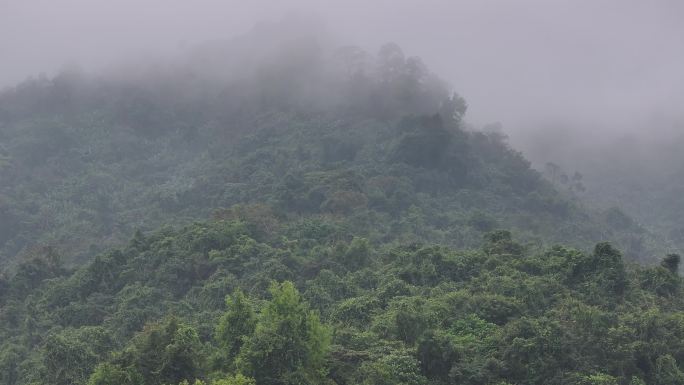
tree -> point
(164, 353)
(234, 327)
(437, 354)
(289, 344)
(671, 263)
(667, 372)
(110, 374)
(67, 359)
(181, 355)
(393, 368)
(10, 357)
(424, 142)
(501, 242)
(237, 379)
(600, 379)
(609, 268)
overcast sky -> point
(606, 63)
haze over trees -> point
(309, 130)
(640, 173)
(276, 209)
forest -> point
(324, 216)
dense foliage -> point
(323, 310)
(299, 222)
(85, 161)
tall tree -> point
(289, 345)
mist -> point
(597, 67)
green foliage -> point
(671, 263)
(601, 379)
(71, 355)
(356, 238)
(289, 344)
(667, 371)
(392, 368)
(109, 374)
(424, 143)
(238, 379)
(234, 328)
(163, 353)
(148, 313)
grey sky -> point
(602, 63)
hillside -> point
(343, 312)
(365, 145)
(272, 211)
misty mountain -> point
(280, 208)
(372, 144)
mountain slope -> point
(270, 211)
(153, 312)
(374, 145)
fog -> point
(604, 66)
